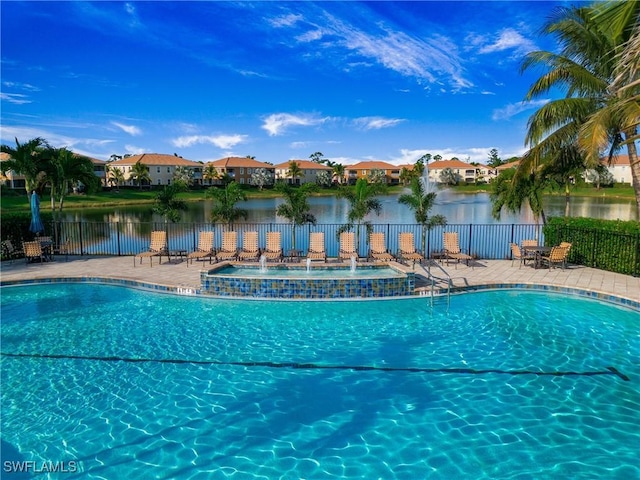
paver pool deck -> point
(175, 273)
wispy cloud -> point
(515, 108)
(134, 150)
(427, 59)
(21, 86)
(375, 123)
(278, 123)
(508, 39)
(220, 141)
(15, 98)
(130, 129)
(285, 20)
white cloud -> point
(134, 150)
(278, 123)
(220, 141)
(15, 98)
(375, 123)
(130, 129)
(509, 39)
(516, 108)
(285, 20)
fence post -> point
(80, 238)
(118, 238)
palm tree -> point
(184, 176)
(362, 202)
(448, 176)
(210, 173)
(167, 205)
(28, 159)
(294, 171)
(296, 208)
(115, 175)
(511, 191)
(591, 115)
(65, 170)
(140, 173)
(421, 202)
(338, 172)
(224, 203)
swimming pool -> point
(502, 384)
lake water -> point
(457, 208)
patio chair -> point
(205, 248)
(9, 251)
(316, 247)
(516, 254)
(157, 248)
(529, 254)
(250, 249)
(273, 250)
(378, 248)
(33, 251)
(347, 246)
(229, 249)
(557, 256)
(407, 250)
(452, 249)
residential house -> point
(620, 168)
(239, 169)
(161, 168)
(308, 168)
(365, 169)
(465, 172)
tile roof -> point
(372, 165)
(304, 165)
(157, 159)
(507, 166)
(239, 162)
(453, 164)
(618, 160)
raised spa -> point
(308, 281)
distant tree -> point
(323, 178)
(224, 203)
(261, 177)
(140, 173)
(251, 157)
(296, 208)
(449, 177)
(437, 158)
(406, 175)
(421, 203)
(166, 203)
(424, 159)
(183, 176)
(455, 158)
(377, 176)
(338, 172)
(362, 201)
(494, 159)
(115, 157)
(599, 177)
(210, 173)
(294, 172)
(114, 176)
(317, 157)
(29, 160)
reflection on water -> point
(457, 208)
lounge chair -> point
(529, 254)
(516, 254)
(557, 256)
(157, 248)
(33, 251)
(452, 249)
(378, 248)
(250, 249)
(407, 250)
(316, 247)
(205, 248)
(347, 246)
(273, 250)
(229, 249)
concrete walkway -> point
(176, 274)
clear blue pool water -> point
(501, 384)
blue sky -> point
(276, 80)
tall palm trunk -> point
(634, 163)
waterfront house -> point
(239, 169)
(308, 169)
(161, 168)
